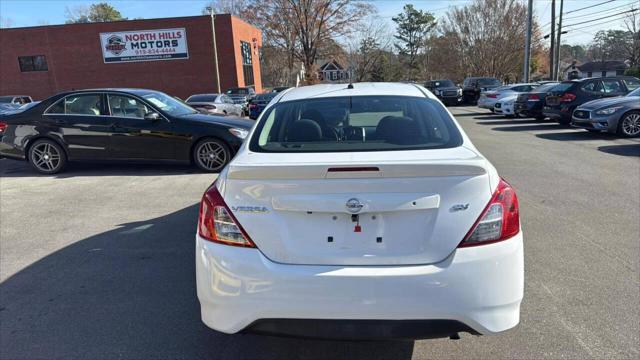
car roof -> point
(359, 89)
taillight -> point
(493, 96)
(533, 97)
(253, 106)
(567, 97)
(499, 221)
(3, 126)
(216, 222)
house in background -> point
(593, 69)
(333, 71)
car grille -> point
(450, 93)
(581, 114)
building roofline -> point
(120, 21)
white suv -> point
(359, 212)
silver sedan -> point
(214, 104)
(620, 115)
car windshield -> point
(359, 123)
(237, 91)
(203, 98)
(488, 81)
(632, 83)
(443, 83)
(168, 104)
(635, 92)
(265, 97)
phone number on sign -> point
(155, 51)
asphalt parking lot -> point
(97, 262)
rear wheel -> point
(47, 157)
(211, 155)
(629, 124)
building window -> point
(33, 63)
(247, 63)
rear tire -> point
(629, 124)
(47, 157)
(211, 155)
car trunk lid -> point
(303, 209)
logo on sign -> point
(116, 45)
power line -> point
(587, 7)
(603, 12)
(604, 17)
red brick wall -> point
(74, 58)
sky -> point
(22, 13)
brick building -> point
(174, 55)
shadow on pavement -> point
(623, 150)
(529, 127)
(18, 168)
(577, 135)
(129, 293)
(512, 122)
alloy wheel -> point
(46, 157)
(631, 124)
(211, 155)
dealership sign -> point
(144, 45)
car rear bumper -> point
(557, 113)
(476, 289)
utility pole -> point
(553, 40)
(527, 46)
(215, 47)
(557, 71)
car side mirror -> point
(152, 116)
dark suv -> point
(445, 90)
(473, 86)
(563, 98)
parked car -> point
(562, 99)
(473, 86)
(278, 89)
(619, 115)
(530, 104)
(213, 104)
(489, 98)
(118, 124)
(359, 212)
(445, 90)
(505, 106)
(241, 96)
(17, 100)
(259, 103)
(15, 108)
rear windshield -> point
(359, 123)
(544, 88)
(562, 87)
(202, 98)
(488, 81)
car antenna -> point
(350, 86)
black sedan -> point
(119, 124)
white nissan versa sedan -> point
(359, 212)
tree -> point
(486, 38)
(632, 23)
(306, 29)
(100, 12)
(367, 50)
(616, 45)
(413, 27)
(234, 7)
